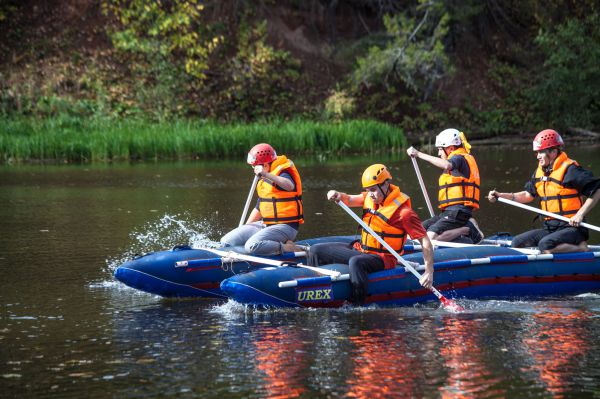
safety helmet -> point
(448, 137)
(260, 154)
(547, 139)
(375, 174)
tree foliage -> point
(169, 29)
(255, 79)
(568, 91)
(414, 54)
(249, 60)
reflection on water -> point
(557, 344)
(68, 330)
(384, 366)
(281, 359)
(469, 374)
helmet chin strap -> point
(381, 190)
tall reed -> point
(70, 139)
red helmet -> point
(547, 139)
(261, 153)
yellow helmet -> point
(375, 174)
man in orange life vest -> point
(388, 212)
(273, 224)
(560, 183)
(458, 189)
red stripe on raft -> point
(390, 277)
(485, 281)
(201, 268)
(443, 269)
(209, 285)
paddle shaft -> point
(265, 261)
(449, 244)
(252, 188)
(219, 261)
(404, 263)
(545, 213)
(422, 184)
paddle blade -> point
(450, 305)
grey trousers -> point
(259, 239)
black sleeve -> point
(530, 186)
(582, 180)
(459, 166)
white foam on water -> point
(23, 317)
(104, 284)
(588, 295)
(498, 306)
(229, 307)
(232, 309)
(235, 310)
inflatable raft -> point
(187, 272)
(474, 272)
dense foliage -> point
(414, 55)
(569, 85)
(488, 67)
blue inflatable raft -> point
(474, 272)
(187, 272)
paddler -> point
(388, 212)
(458, 192)
(560, 184)
(273, 224)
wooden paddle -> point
(448, 303)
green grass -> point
(79, 140)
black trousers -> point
(360, 264)
(447, 220)
(548, 237)
(453, 219)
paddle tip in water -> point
(451, 305)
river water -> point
(67, 329)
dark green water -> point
(67, 329)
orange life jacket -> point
(378, 220)
(279, 206)
(554, 197)
(455, 190)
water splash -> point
(589, 295)
(165, 233)
(229, 308)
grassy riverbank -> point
(68, 139)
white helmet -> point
(447, 138)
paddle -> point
(219, 260)
(450, 244)
(422, 184)
(545, 213)
(265, 261)
(448, 303)
(252, 188)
